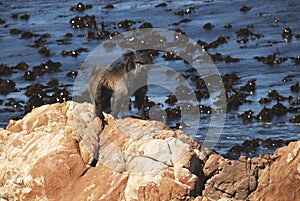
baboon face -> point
(140, 60)
(143, 58)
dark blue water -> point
(267, 17)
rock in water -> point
(56, 153)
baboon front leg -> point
(140, 95)
(98, 107)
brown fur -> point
(116, 79)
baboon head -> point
(138, 60)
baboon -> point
(111, 87)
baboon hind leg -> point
(120, 103)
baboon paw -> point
(102, 123)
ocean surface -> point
(265, 19)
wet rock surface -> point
(56, 152)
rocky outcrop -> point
(57, 153)
(281, 176)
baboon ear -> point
(128, 53)
(130, 63)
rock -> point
(56, 152)
(48, 67)
(161, 5)
(247, 116)
(126, 24)
(7, 86)
(72, 74)
(24, 16)
(295, 119)
(5, 70)
(228, 26)
(81, 22)
(237, 185)
(280, 179)
(250, 86)
(268, 177)
(44, 156)
(271, 59)
(45, 51)
(80, 7)
(109, 6)
(188, 11)
(208, 26)
(21, 66)
(287, 34)
(295, 88)
(2, 21)
(245, 8)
